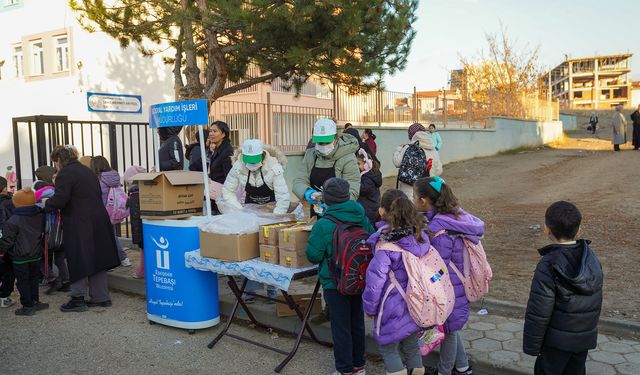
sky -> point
(447, 29)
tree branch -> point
(178, 84)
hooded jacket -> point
(369, 197)
(319, 245)
(344, 158)
(451, 246)
(22, 234)
(272, 170)
(426, 144)
(171, 153)
(565, 300)
(6, 208)
(108, 180)
(396, 324)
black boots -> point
(75, 304)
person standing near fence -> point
(635, 116)
(89, 242)
(370, 140)
(435, 136)
(593, 122)
(170, 151)
(619, 125)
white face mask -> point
(325, 149)
(254, 167)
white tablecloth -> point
(253, 269)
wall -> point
(569, 122)
(459, 144)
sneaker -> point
(468, 371)
(54, 286)
(39, 306)
(25, 311)
(106, 303)
(272, 293)
(126, 262)
(65, 287)
(7, 302)
(75, 304)
(359, 371)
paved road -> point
(119, 340)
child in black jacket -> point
(561, 322)
(370, 183)
(7, 279)
(22, 238)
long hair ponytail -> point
(443, 201)
(400, 212)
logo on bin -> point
(162, 255)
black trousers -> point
(557, 362)
(347, 330)
(27, 280)
(616, 147)
(7, 279)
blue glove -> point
(308, 194)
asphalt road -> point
(119, 340)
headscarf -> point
(414, 128)
(368, 163)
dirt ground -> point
(511, 192)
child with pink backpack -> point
(408, 286)
(455, 234)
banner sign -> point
(187, 112)
(101, 102)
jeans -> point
(558, 362)
(452, 353)
(27, 280)
(97, 286)
(254, 286)
(121, 254)
(7, 278)
(392, 354)
(347, 329)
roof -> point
(624, 55)
(434, 94)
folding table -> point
(269, 274)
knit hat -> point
(45, 173)
(414, 128)
(335, 190)
(23, 198)
(132, 171)
(45, 192)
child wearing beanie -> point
(346, 314)
(22, 238)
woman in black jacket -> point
(193, 152)
(89, 242)
(170, 152)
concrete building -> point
(635, 94)
(597, 82)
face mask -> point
(326, 149)
(253, 167)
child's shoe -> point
(25, 311)
(75, 304)
(468, 371)
(417, 371)
(39, 306)
(7, 302)
(272, 293)
(126, 262)
(359, 371)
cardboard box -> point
(229, 247)
(294, 259)
(294, 238)
(269, 234)
(270, 254)
(283, 310)
(171, 194)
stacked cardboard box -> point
(292, 245)
(269, 239)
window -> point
(11, 2)
(17, 61)
(37, 58)
(62, 53)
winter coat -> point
(6, 208)
(619, 125)
(427, 145)
(396, 324)
(437, 140)
(565, 300)
(89, 242)
(134, 215)
(272, 170)
(194, 155)
(108, 180)
(319, 245)
(635, 139)
(451, 246)
(22, 235)
(170, 152)
(372, 145)
(344, 159)
(369, 197)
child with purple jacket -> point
(442, 210)
(395, 331)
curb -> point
(612, 326)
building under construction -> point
(598, 82)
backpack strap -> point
(389, 246)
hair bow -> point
(437, 183)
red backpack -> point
(351, 257)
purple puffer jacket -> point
(108, 180)
(396, 322)
(450, 248)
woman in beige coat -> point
(619, 125)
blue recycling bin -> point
(177, 296)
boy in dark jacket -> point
(7, 279)
(561, 322)
(22, 238)
(134, 211)
(346, 313)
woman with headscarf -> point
(619, 126)
(170, 152)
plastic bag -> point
(429, 339)
(240, 222)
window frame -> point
(64, 51)
(18, 69)
(33, 52)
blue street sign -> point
(187, 112)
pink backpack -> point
(117, 205)
(478, 271)
(429, 295)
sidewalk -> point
(493, 342)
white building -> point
(49, 65)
